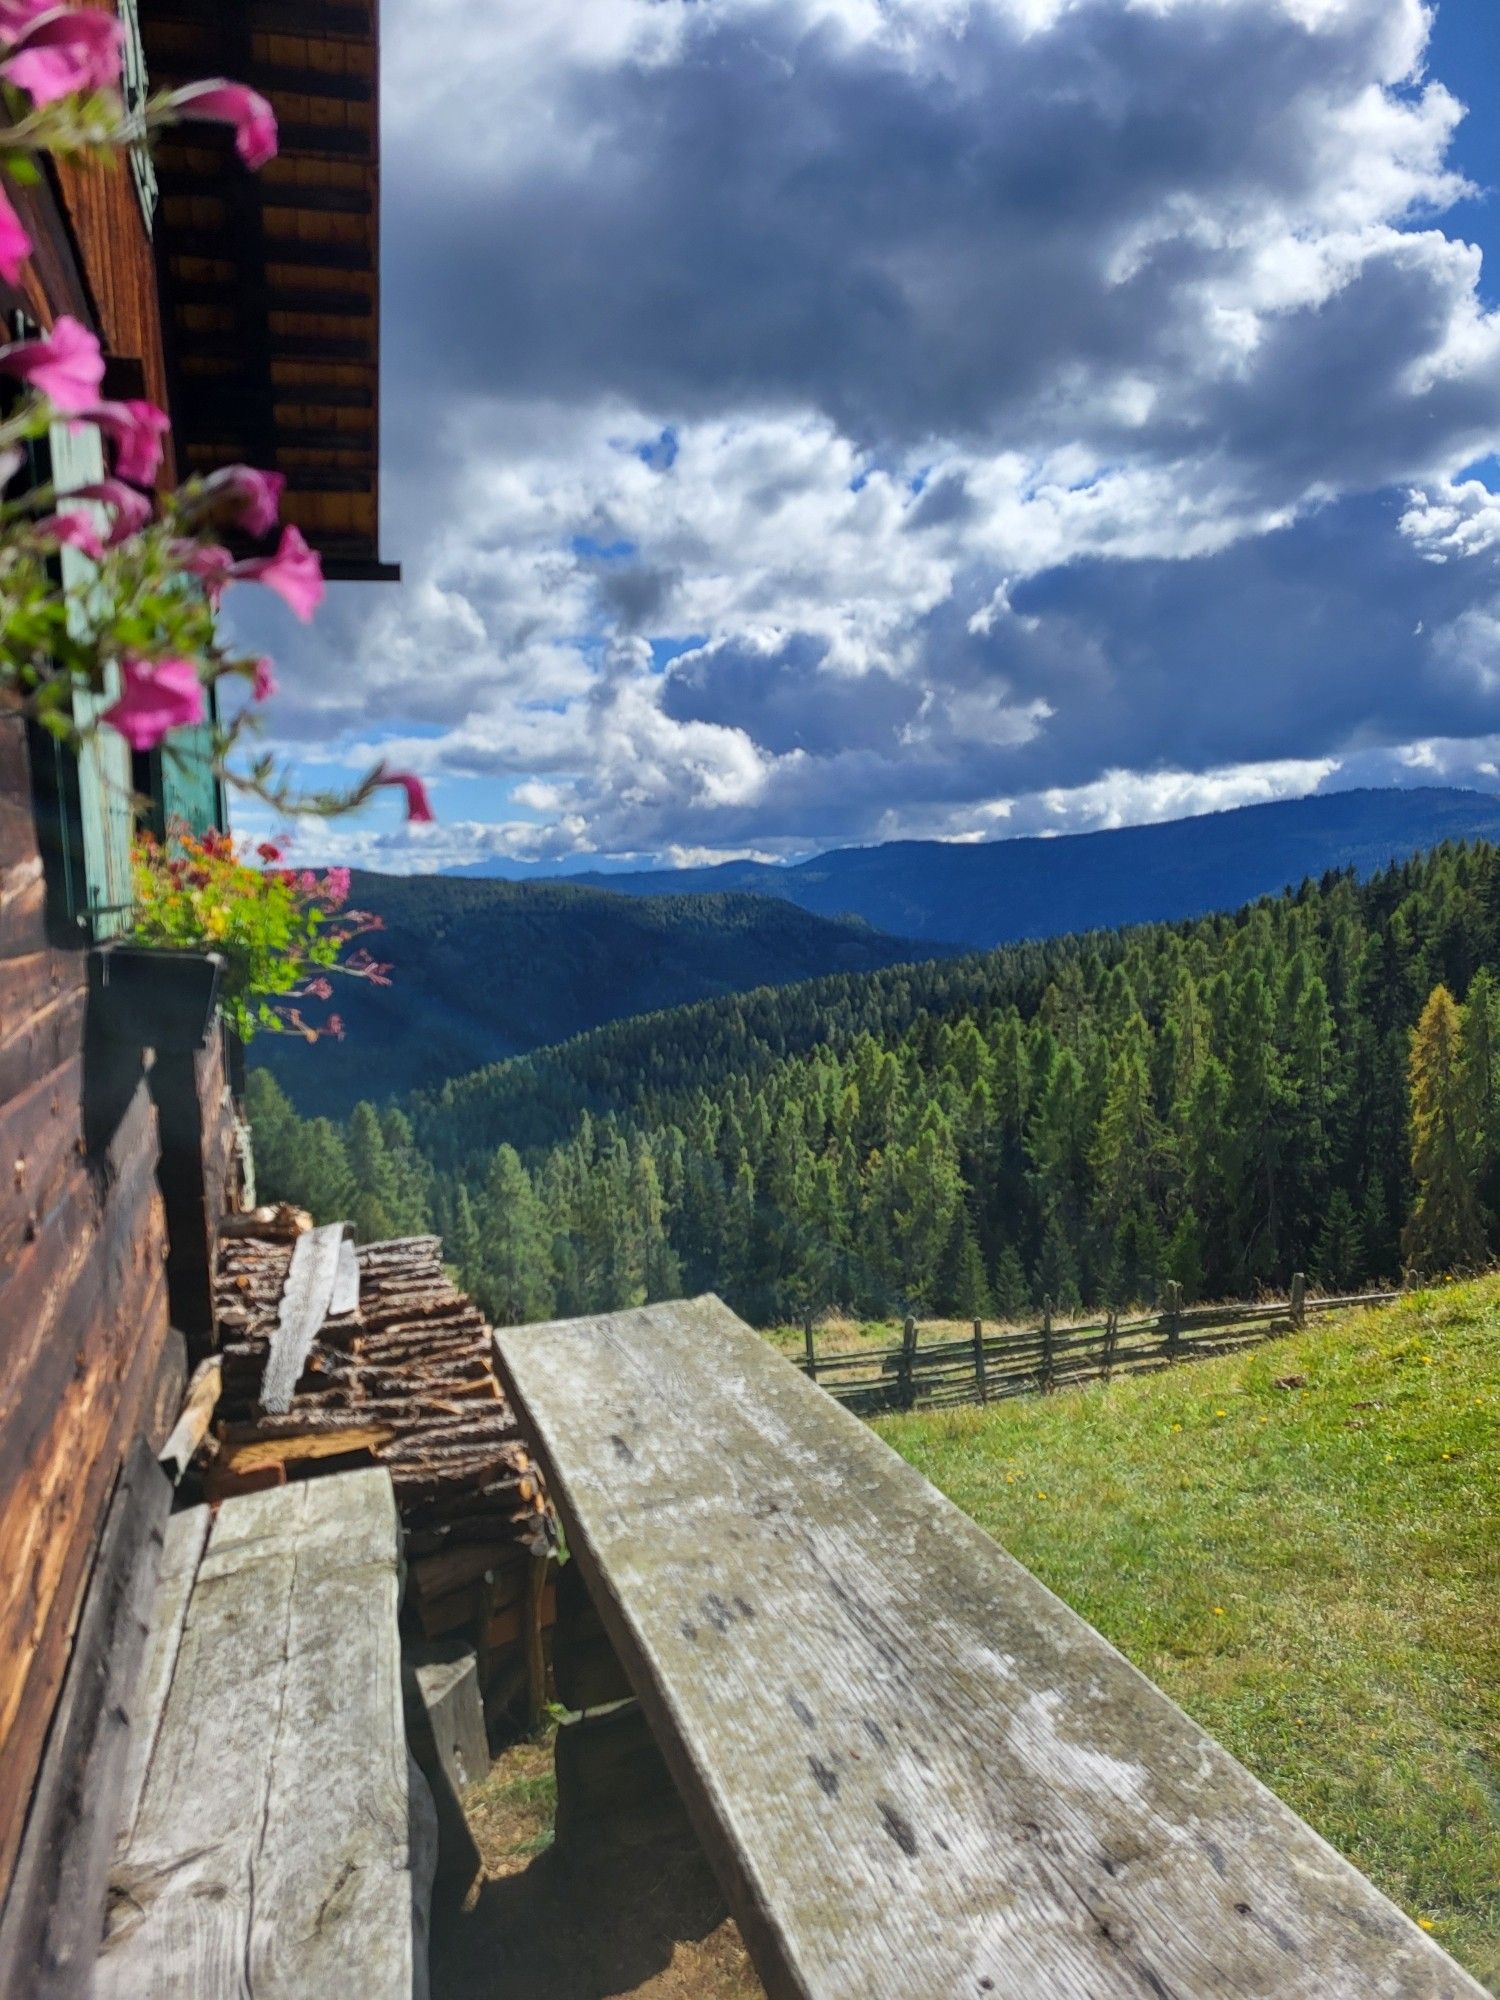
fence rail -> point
(986, 1367)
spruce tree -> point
(376, 1204)
(1012, 1293)
(1339, 1257)
(1446, 1228)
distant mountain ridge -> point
(996, 892)
(488, 969)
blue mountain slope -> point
(989, 894)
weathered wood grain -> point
(185, 1539)
(918, 1773)
(283, 1846)
(304, 1307)
(49, 1932)
(346, 1283)
(84, 1313)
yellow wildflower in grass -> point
(1425, 1923)
(1218, 1611)
(1221, 1413)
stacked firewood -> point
(405, 1380)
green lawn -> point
(1300, 1545)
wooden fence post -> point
(812, 1349)
(979, 1382)
(1174, 1318)
(1299, 1300)
(908, 1356)
(1046, 1344)
(1111, 1327)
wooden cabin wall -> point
(199, 1178)
(83, 1299)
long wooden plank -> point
(309, 1293)
(50, 1929)
(185, 1541)
(281, 1847)
(918, 1773)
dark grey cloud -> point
(967, 402)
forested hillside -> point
(483, 970)
(992, 892)
(1219, 1102)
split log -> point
(197, 1414)
(304, 1307)
(253, 1453)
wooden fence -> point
(983, 1367)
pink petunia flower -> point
(294, 572)
(15, 244)
(418, 805)
(160, 695)
(263, 684)
(269, 851)
(136, 430)
(66, 367)
(16, 16)
(226, 103)
(72, 529)
(336, 885)
(131, 510)
(66, 51)
(254, 498)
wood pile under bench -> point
(918, 1774)
(402, 1376)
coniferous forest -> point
(1312, 1083)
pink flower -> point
(64, 51)
(160, 695)
(15, 244)
(336, 885)
(233, 104)
(16, 16)
(295, 573)
(66, 367)
(208, 561)
(253, 497)
(263, 684)
(136, 430)
(418, 805)
(132, 510)
(269, 851)
(320, 989)
(72, 529)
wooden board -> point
(918, 1774)
(49, 1931)
(304, 1306)
(281, 1846)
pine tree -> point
(1012, 1293)
(1184, 1261)
(1057, 1270)
(514, 1261)
(968, 1286)
(1446, 1228)
(1339, 1258)
(377, 1196)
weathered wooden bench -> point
(276, 1841)
(917, 1773)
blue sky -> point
(816, 421)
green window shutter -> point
(181, 782)
(95, 821)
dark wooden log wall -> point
(83, 1298)
(199, 1178)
